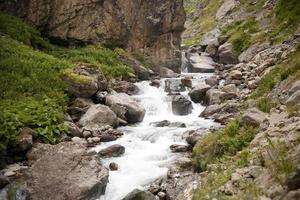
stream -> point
(147, 155)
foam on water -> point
(147, 154)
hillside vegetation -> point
(32, 92)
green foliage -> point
(104, 58)
(18, 30)
(229, 141)
(264, 104)
(190, 6)
(241, 34)
(286, 20)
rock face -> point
(253, 117)
(226, 55)
(65, 171)
(153, 27)
(133, 113)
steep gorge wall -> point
(151, 27)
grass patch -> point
(264, 104)
(243, 34)
(205, 22)
(227, 142)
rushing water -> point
(147, 154)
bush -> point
(264, 104)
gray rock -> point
(113, 166)
(226, 55)
(212, 81)
(73, 129)
(201, 64)
(167, 73)
(139, 195)
(295, 87)
(236, 75)
(210, 110)
(85, 81)
(155, 83)
(97, 116)
(226, 7)
(124, 87)
(294, 99)
(213, 96)
(174, 85)
(253, 117)
(115, 150)
(248, 54)
(3, 181)
(176, 148)
(187, 82)
(99, 97)
(167, 123)
(211, 37)
(198, 93)
(293, 180)
(181, 105)
(135, 112)
(70, 173)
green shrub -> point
(232, 139)
(264, 104)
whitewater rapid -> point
(147, 154)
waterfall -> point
(147, 155)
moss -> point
(77, 78)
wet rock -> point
(99, 97)
(113, 166)
(108, 138)
(193, 139)
(253, 117)
(139, 195)
(167, 123)
(78, 108)
(174, 85)
(198, 93)
(3, 181)
(226, 55)
(73, 129)
(177, 124)
(115, 150)
(167, 73)
(134, 113)
(187, 82)
(124, 87)
(181, 105)
(155, 83)
(71, 173)
(97, 116)
(85, 81)
(176, 148)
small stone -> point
(176, 148)
(112, 151)
(113, 166)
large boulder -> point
(213, 96)
(211, 38)
(253, 117)
(84, 80)
(295, 87)
(226, 54)
(139, 195)
(134, 111)
(181, 105)
(167, 73)
(294, 99)
(201, 64)
(198, 93)
(124, 87)
(97, 116)
(152, 28)
(65, 171)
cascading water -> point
(147, 154)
